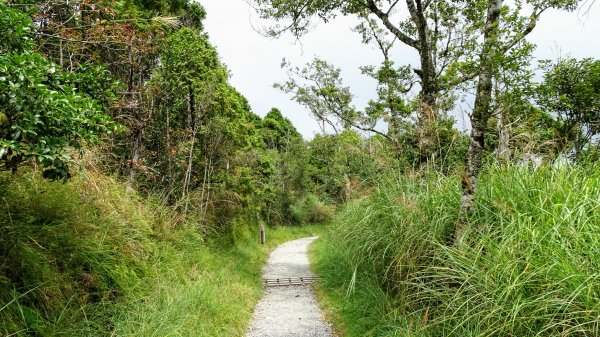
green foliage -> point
(570, 94)
(526, 268)
(319, 87)
(289, 199)
(342, 166)
(44, 115)
(310, 210)
(95, 82)
(92, 257)
(392, 85)
(278, 131)
(70, 250)
(188, 57)
(203, 137)
(15, 29)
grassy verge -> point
(91, 258)
(529, 266)
(356, 305)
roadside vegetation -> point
(527, 266)
(134, 177)
(91, 258)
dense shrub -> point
(311, 210)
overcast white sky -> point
(254, 60)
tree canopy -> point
(570, 92)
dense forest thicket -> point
(133, 175)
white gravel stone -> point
(289, 310)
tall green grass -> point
(92, 258)
(529, 265)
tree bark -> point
(135, 155)
(131, 66)
(190, 107)
(168, 152)
(503, 152)
(480, 116)
(194, 128)
(429, 91)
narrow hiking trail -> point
(289, 310)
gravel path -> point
(290, 310)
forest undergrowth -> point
(528, 265)
(93, 258)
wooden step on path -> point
(290, 281)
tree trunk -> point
(204, 182)
(60, 50)
(194, 128)
(427, 73)
(188, 172)
(190, 107)
(131, 66)
(135, 155)
(503, 152)
(427, 115)
(209, 175)
(578, 142)
(168, 152)
(480, 116)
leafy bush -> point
(311, 210)
(42, 114)
(317, 212)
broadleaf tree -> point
(42, 115)
(570, 92)
(438, 31)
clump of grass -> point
(92, 258)
(67, 248)
(529, 266)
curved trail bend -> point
(289, 310)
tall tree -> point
(278, 131)
(123, 37)
(393, 83)
(319, 87)
(436, 30)
(191, 79)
